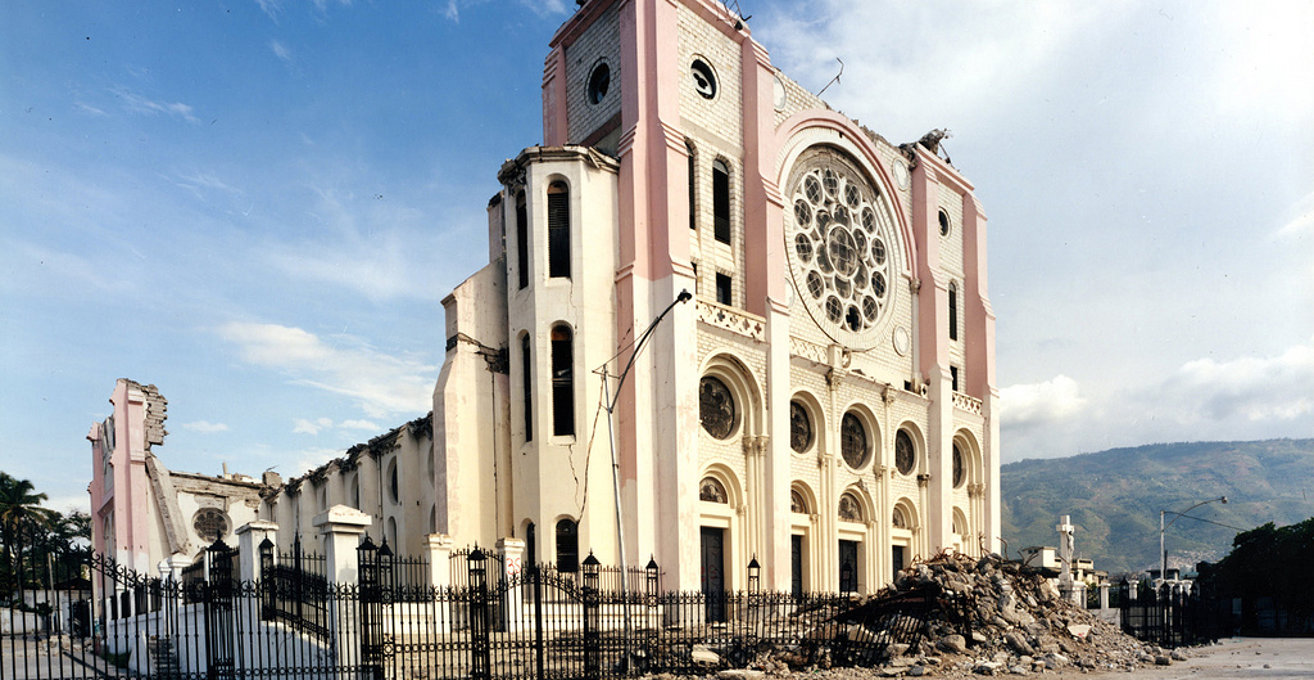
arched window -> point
(796, 502)
(905, 453)
(721, 201)
(712, 491)
(716, 407)
(558, 207)
(899, 518)
(563, 382)
(800, 427)
(522, 240)
(850, 510)
(953, 311)
(394, 486)
(960, 466)
(391, 535)
(567, 545)
(853, 440)
(355, 491)
(693, 188)
(527, 386)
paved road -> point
(1259, 658)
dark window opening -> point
(724, 288)
(704, 79)
(953, 312)
(953, 377)
(563, 383)
(944, 223)
(599, 82)
(527, 385)
(522, 240)
(693, 190)
(558, 230)
(567, 546)
(721, 201)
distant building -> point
(827, 402)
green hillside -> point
(1114, 498)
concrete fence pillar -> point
(249, 538)
(440, 557)
(341, 528)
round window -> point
(853, 441)
(944, 223)
(704, 79)
(905, 456)
(800, 428)
(211, 524)
(716, 407)
(960, 467)
(599, 82)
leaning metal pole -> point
(610, 405)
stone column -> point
(513, 551)
(249, 538)
(1104, 595)
(342, 526)
(440, 556)
(1065, 530)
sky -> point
(258, 206)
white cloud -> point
(311, 427)
(205, 427)
(271, 7)
(1302, 223)
(382, 385)
(136, 103)
(1040, 403)
(281, 51)
(359, 425)
(314, 427)
(88, 108)
(452, 13)
(1256, 389)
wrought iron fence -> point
(1172, 616)
(295, 622)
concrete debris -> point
(991, 619)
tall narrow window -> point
(567, 545)
(953, 311)
(527, 387)
(724, 288)
(522, 240)
(721, 201)
(693, 190)
(558, 208)
(563, 382)
(953, 377)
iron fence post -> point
(592, 638)
(480, 661)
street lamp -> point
(1163, 552)
(609, 403)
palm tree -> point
(20, 513)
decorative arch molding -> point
(974, 461)
(806, 493)
(728, 481)
(807, 129)
(816, 418)
(865, 503)
(732, 370)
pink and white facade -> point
(828, 401)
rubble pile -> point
(989, 618)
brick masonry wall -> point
(601, 41)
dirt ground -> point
(1263, 658)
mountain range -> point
(1114, 498)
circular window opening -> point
(211, 524)
(960, 468)
(716, 407)
(599, 82)
(944, 223)
(905, 456)
(800, 428)
(704, 79)
(853, 441)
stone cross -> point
(1066, 551)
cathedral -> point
(720, 322)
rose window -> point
(838, 242)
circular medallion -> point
(839, 241)
(901, 173)
(778, 96)
(211, 524)
(853, 441)
(902, 341)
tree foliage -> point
(34, 538)
(1268, 561)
